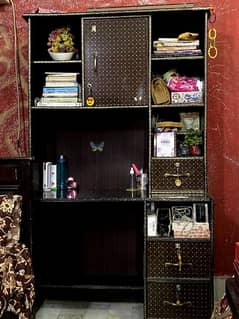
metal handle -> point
(180, 263)
(95, 61)
(178, 181)
(177, 303)
(177, 175)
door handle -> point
(95, 61)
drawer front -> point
(163, 259)
(178, 175)
(183, 301)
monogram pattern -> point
(17, 293)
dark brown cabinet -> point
(98, 243)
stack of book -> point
(174, 47)
(60, 89)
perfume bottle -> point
(151, 220)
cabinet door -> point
(116, 63)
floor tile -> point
(54, 309)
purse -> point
(160, 91)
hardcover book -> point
(60, 104)
(61, 76)
(60, 89)
(58, 94)
(174, 42)
(63, 99)
(61, 84)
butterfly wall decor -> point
(97, 147)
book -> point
(61, 76)
(52, 99)
(177, 53)
(59, 94)
(177, 48)
(62, 73)
(60, 89)
(60, 84)
(63, 104)
(175, 42)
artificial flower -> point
(61, 40)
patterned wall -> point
(223, 98)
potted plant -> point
(61, 44)
(193, 139)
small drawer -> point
(178, 175)
(179, 300)
(163, 259)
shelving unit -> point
(96, 246)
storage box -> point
(186, 97)
(191, 230)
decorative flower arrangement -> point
(61, 40)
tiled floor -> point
(52, 309)
(89, 310)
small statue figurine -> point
(72, 187)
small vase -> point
(195, 150)
(61, 56)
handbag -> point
(160, 91)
